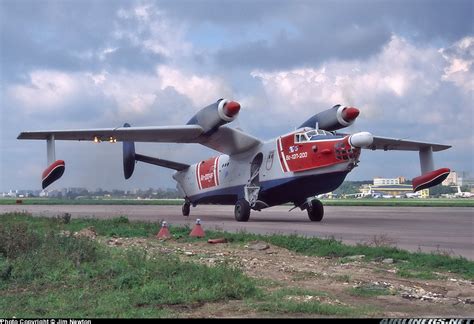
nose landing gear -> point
(186, 208)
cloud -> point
(460, 59)
(202, 90)
(402, 79)
(47, 90)
(150, 28)
(310, 33)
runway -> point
(448, 229)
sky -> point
(407, 65)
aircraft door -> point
(252, 189)
(255, 169)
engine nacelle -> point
(333, 119)
(211, 117)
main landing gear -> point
(315, 210)
(242, 210)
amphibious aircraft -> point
(250, 173)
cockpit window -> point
(299, 138)
(311, 135)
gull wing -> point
(225, 139)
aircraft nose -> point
(361, 139)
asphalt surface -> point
(446, 229)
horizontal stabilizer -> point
(430, 179)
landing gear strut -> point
(315, 210)
(242, 210)
(186, 208)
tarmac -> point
(439, 229)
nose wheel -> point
(315, 210)
(186, 208)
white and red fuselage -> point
(290, 168)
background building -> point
(391, 187)
(451, 180)
(388, 181)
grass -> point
(302, 301)
(415, 264)
(43, 274)
(432, 202)
(89, 201)
(421, 262)
(369, 290)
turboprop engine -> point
(217, 114)
(333, 119)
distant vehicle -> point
(462, 194)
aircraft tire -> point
(186, 208)
(242, 210)
(315, 210)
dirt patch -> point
(373, 287)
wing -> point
(161, 134)
(225, 139)
(388, 144)
(429, 176)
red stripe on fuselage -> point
(281, 156)
(207, 173)
(197, 176)
(216, 170)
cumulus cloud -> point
(149, 27)
(401, 82)
(202, 90)
(46, 90)
(460, 59)
(129, 95)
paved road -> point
(448, 229)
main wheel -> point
(186, 208)
(315, 210)
(242, 210)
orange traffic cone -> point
(164, 233)
(197, 230)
